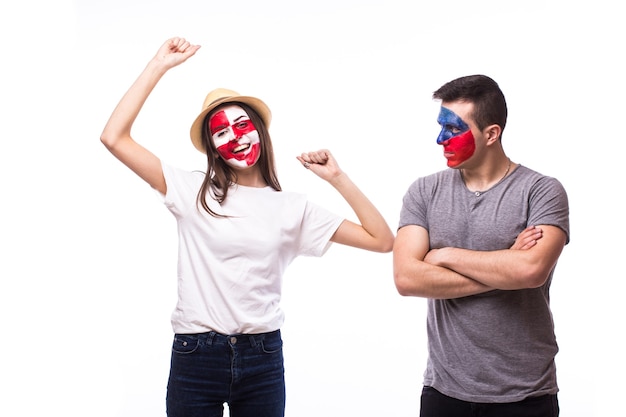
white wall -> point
(87, 269)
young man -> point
(481, 241)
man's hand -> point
(527, 238)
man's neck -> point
(484, 177)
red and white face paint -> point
(235, 137)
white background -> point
(88, 255)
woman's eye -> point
(242, 125)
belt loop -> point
(256, 339)
(210, 337)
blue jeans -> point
(436, 404)
(210, 369)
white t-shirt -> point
(230, 270)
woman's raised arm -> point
(116, 135)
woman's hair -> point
(220, 175)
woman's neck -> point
(251, 177)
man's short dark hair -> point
(489, 103)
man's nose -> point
(443, 137)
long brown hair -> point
(220, 175)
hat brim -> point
(257, 105)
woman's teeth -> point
(241, 148)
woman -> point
(237, 233)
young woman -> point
(238, 231)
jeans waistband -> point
(234, 339)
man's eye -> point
(453, 129)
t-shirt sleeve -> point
(318, 226)
(549, 205)
(182, 188)
(413, 211)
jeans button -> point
(233, 340)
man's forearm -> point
(421, 279)
(502, 269)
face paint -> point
(235, 137)
(456, 137)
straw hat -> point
(221, 96)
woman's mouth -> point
(241, 148)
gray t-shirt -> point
(498, 346)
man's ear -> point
(492, 133)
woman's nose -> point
(236, 135)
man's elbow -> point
(533, 277)
(406, 286)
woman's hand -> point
(174, 52)
(321, 163)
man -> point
(480, 241)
